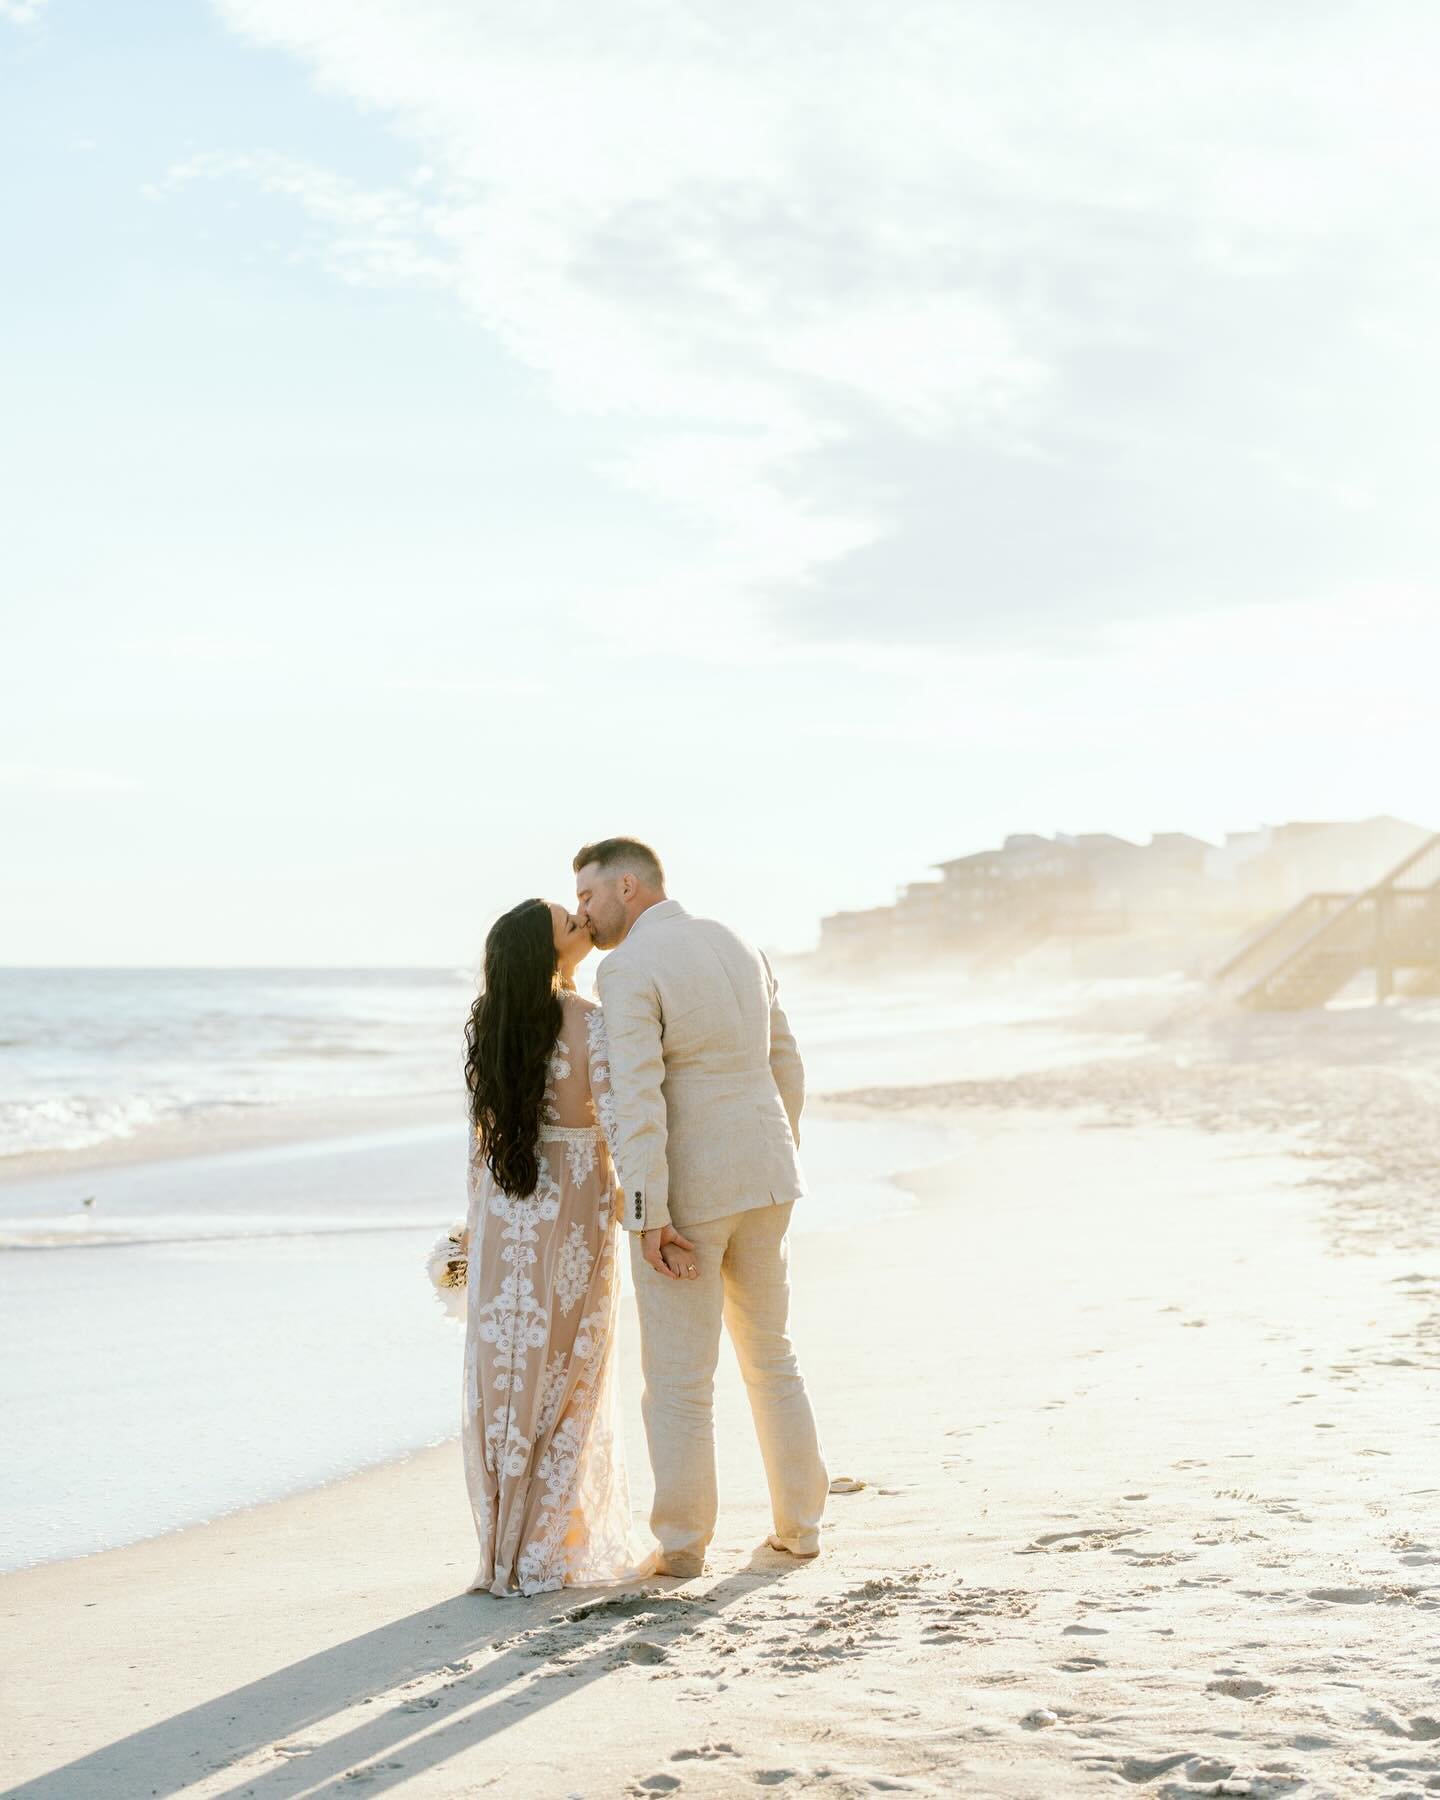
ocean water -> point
(88, 1056)
(183, 1336)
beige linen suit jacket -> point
(706, 1080)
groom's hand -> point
(653, 1243)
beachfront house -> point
(1140, 886)
(1074, 884)
(855, 937)
(992, 890)
(919, 922)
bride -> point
(544, 1462)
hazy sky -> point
(819, 438)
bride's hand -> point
(669, 1254)
(680, 1263)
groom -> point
(708, 1087)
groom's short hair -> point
(622, 856)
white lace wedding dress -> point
(544, 1464)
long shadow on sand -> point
(455, 1708)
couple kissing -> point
(670, 1110)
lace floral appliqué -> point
(572, 1270)
(543, 1463)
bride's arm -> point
(597, 1048)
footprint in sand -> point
(705, 1753)
(1092, 1538)
(1239, 1687)
(1202, 1774)
(1422, 1729)
(656, 1784)
(648, 1600)
(1138, 1768)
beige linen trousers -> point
(707, 1088)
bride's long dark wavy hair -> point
(510, 1033)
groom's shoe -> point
(804, 1554)
(681, 1564)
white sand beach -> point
(1151, 1504)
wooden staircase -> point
(1309, 954)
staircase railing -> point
(1417, 920)
(1420, 870)
(1365, 928)
(1347, 937)
(1273, 942)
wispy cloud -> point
(934, 319)
(22, 12)
(369, 236)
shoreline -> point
(233, 1130)
(1099, 1377)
